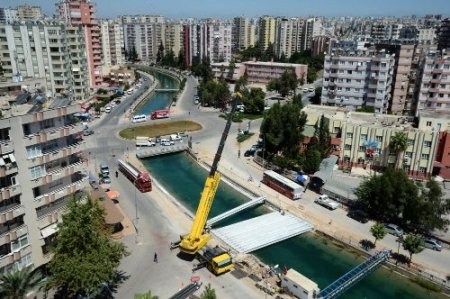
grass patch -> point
(160, 129)
(426, 284)
(242, 137)
(251, 116)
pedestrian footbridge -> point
(262, 231)
(166, 89)
(248, 204)
(148, 152)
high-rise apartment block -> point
(29, 13)
(173, 37)
(267, 28)
(82, 13)
(290, 37)
(8, 15)
(355, 78)
(435, 84)
(112, 42)
(41, 168)
(443, 34)
(51, 51)
(143, 34)
(243, 34)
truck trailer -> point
(158, 114)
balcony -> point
(13, 233)
(10, 191)
(6, 146)
(52, 134)
(8, 169)
(52, 195)
(14, 256)
(12, 213)
(60, 172)
(47, 114)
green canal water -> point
(316, 257)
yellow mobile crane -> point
(215, 259)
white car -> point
(107, 109)
(167, 143)
(393, 229)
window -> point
(422, 169)
(428, 124)
(363, 137)
(347, 146)
(410, 142)
(362, 148)
(37, 172)
(349, 135)
(408, 154)
(19, 243)
(425, 156)
(379, 138)
(427, 143)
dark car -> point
(250, 152)
(358, 215)
(117, 102)
(87, 132)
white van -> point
(139, 118)
(175, 137)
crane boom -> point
(197, 238)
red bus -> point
(140, 179)
(282, 185)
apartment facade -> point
(357, 78)
(41, 168)
(435, 84)
(8, 15)
(144, 34)
(443, 34)
(365, 140)
(290, 36)
(267, 28)
(243, 34)
(29, 13)
(173, 37)
(82, 13)
(46, 50)
(112, 42)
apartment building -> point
(173, 37)
(217, 43)
(385, 31)
(357, 78)
(112, 42)
(144, 34)
(82, 13)
(313, 28)
(365, 140)
(243, 34)
(29, 13)
(49, 50)
(267, 28)
(434, 92)
(41, 168)
(8, 15)
(290, 36)
(443, 34)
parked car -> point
(433, 244)
(167, 142)
(106, 180)
(250, 152)
(107, 109)
(358, 215)
(311, 89)
(87, 132)
(104, 169)
(393, 229)
(327, 202)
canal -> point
(316, 257)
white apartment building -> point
(217, 42)
(290, 36)
(52, 51)
(112, 42)
(8, 15)
(434, 92)
(426, 35)
(357, 78)
(28, 12)
(365, 139)
(144, 34)
(313, 28)
(41, 168)
(267, 29)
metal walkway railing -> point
(236, 210)
(352, 277)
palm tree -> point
(378, 232)
(17, 284)
(208, 293)
(398, 144)
(147, 295)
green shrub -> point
(426, 284)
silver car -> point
(433, 244)
(393, 229)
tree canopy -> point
(147, 295)
(398, 144)
(84, 257)
(214, 93)
(17, 284)
(378, 232)
(393, 197)
(413, 244)
(254, 101)
(286, 83)
(208, 293)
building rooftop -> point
(301, 280)
(270, 63)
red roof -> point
(335, 141)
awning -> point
(113, 194)
(112, 214)
(12, 158)
(49, 230)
